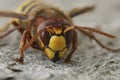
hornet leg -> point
(23, 43)
(4, 31)
(74, 47)
(26, 42)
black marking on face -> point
(56, 57)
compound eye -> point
(45, 36)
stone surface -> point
(90, 62)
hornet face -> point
(56, 48)
(56, 40)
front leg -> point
(23, 43)
(74, 47)
(26, 37)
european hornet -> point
(48, 29)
